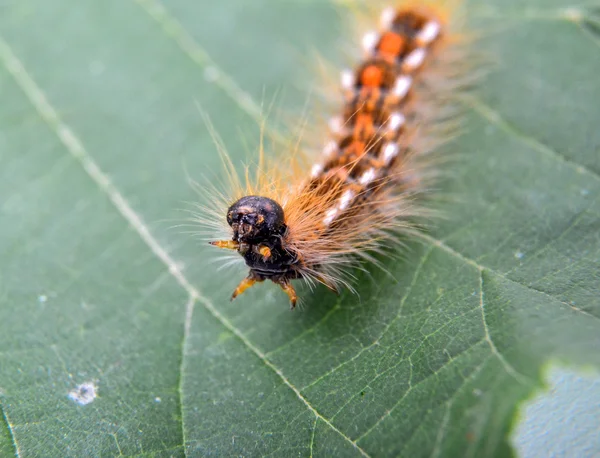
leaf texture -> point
(99, 127)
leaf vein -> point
(507, 366)
(494, 117)
(467, 379)
(386, 329)
(75, 147)
(192, 49)
(588, 34)
(451, 251)
(412, 387)
(442, 431)
(408, 358)
(309, 330)
(312, 436)
(559, 237)
(10, 430)
(189, 312)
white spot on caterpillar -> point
(429, 32)
(347, 79)
(84, 394)
(369, 41)
(387, 17)
(316, 170)
(330, 215)
(390, 152)
(367, 177)
(346, 199)
(330, 148)
(402, 86)
(336, 124)
(396, 121)
(414, 59)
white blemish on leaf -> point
(84, 394)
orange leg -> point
(246, 283)
(265, 251)
(290, 291)
(227, 244)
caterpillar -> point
(316, 222)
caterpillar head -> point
(256, 219)
(258, 225)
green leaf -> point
(116, 333)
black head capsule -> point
(256, 219)
(259, 230)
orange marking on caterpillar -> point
(391, 45)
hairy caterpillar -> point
(316, 222)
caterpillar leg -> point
(286, 286)
(227, 244)
(263, 250)
(246, 283)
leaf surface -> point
(100, 126)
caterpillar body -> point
(316, 221)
